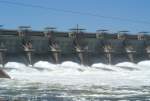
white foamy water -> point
(70, 73)
(74, 82)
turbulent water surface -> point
(70, 81)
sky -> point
(114, 15)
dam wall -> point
(86, 48)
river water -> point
(70, 81)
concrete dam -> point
(27, 46)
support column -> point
(81, 54)
(29, 56)
(109, 56)
(56, 57)
(148, 51)
(55, 51)
(130, 52)
(130, 55)
(108, 50)
(1, 56)
(28, 49)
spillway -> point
(28, 47)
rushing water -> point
(70, 81)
